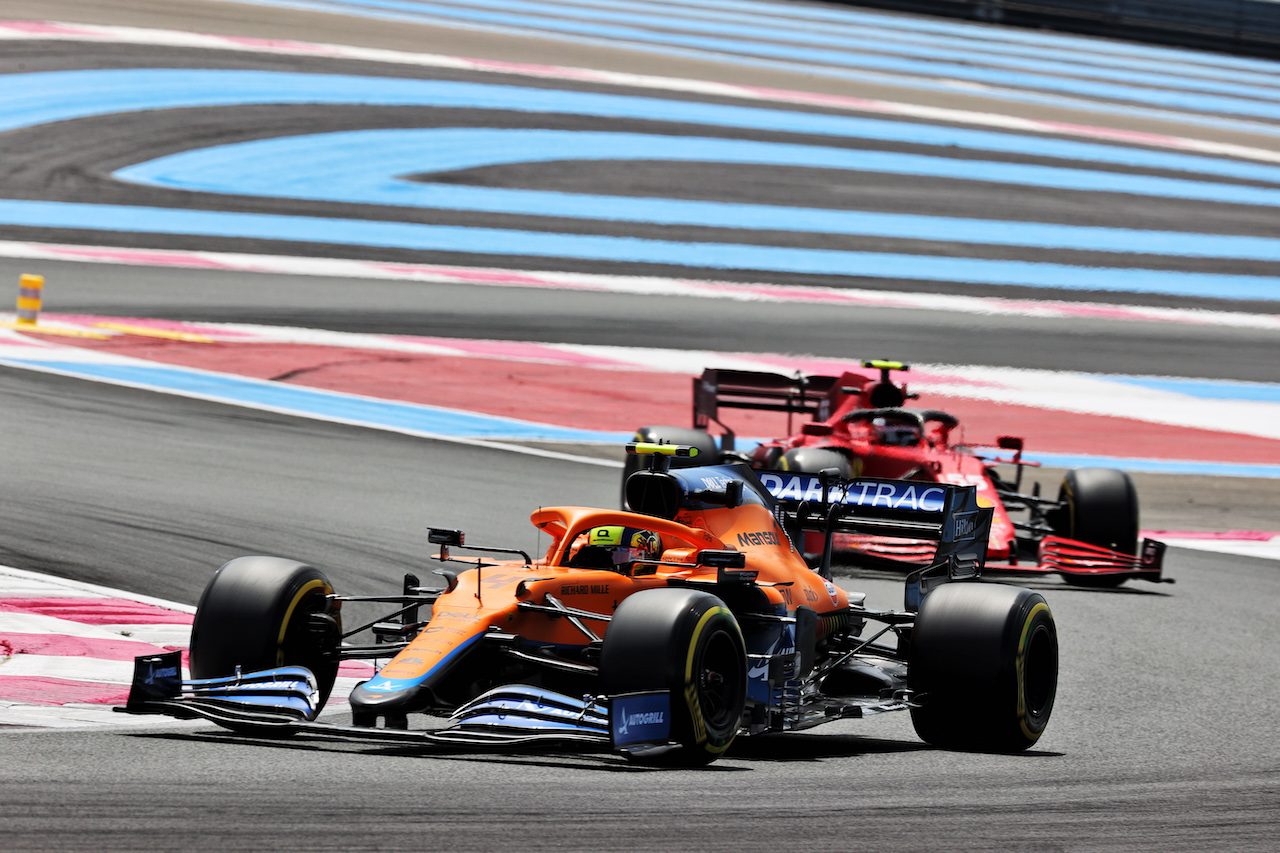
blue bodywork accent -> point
(715, 477)
(640, 718)
(885, 494)
(769, 639)
(379, 684)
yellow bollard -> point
(30, 290)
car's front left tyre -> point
(1100, 507)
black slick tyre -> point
(708, 452)
(688, 642)
(1100, 507)
(984, 667)
(256, 613)
(812, 460)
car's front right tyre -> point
(688, 643)
(256, 613)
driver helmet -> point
(612, 546)
(895, 433)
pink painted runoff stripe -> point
(97, 611)
(44, 690)
(99, 648)
(51, 28)
(515, 349)
(837, 367)
(354, 669)
(1214, 536)
(619, 400)
(74, 659)
(689, 288)
(20, 341)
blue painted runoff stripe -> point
(972, 41)
(1207, 390)
(494, 241)
(916, 26)
(1157, 466)
(928, 84)
(1154, 96)
(364, 167)
(27, 100)
(968, 31)
(326, 405)
(846, 43)
(853, 42)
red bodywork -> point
(868, 422)
(896, 449)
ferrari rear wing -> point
(749, 389)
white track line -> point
(54, 30)
(835, 298)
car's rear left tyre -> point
(687, 642)
(708, 451)
(1099, 506)
(256, 613)
(813, 460)
(984, 667)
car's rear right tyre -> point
(1100, 506)
(983, 665)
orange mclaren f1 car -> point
(857, 426)
(662, 633)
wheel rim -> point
(1041, 672)
(720, 681)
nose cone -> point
(388, 696)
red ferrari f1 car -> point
(857, 425)
(668, 630)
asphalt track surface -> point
(1160, 738)
(1163, 734)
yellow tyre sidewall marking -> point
(288, 614)
(691, 688)
(1019, 666)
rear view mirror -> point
(444, 536)
(722, 559)
(1009, 442)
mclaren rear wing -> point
(946, 514)
(939, 512)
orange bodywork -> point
(489, 597)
